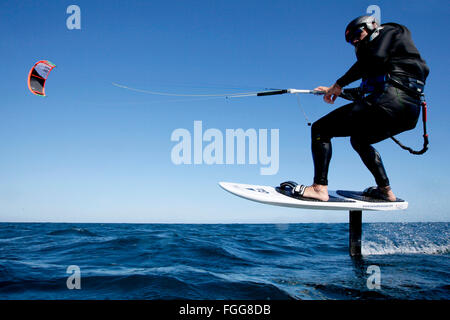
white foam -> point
(374, 248)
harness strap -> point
(425, 134)
(414, 89)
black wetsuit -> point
(383, 113)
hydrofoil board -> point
(339, 199)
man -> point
(393, 75)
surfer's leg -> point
(374, 128)
(388, 114)
(334, 124)
(372, 159)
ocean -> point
(407, 261)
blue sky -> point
(92, 152)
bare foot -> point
(387, 191)
(317, 191)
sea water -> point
(223, 261)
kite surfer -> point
(393, 77)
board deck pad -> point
(339, 200)
(331, 199)
(358, 195)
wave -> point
(142, 286)
(406, 238)
(72, 231)
(374, 248)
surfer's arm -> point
(353, 74)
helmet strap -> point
(375, 33)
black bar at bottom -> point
(172, 309)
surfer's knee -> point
(359, 144)
(365, 149)
(318, 133)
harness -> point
(412, 87)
